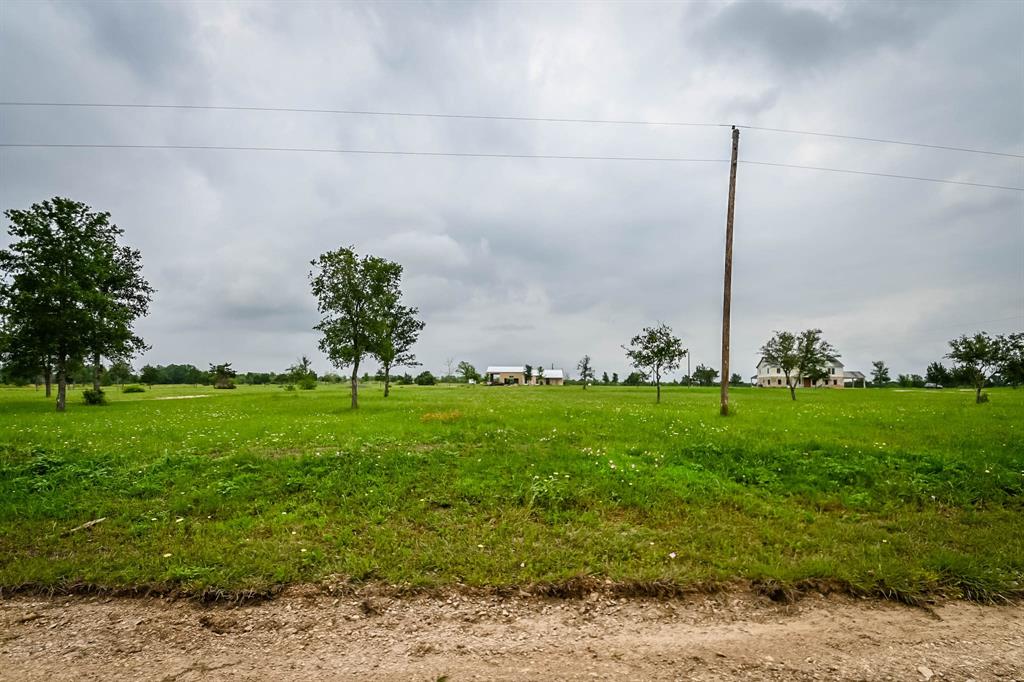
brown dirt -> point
(306, 634)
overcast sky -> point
(536, 261)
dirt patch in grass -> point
(306, 633)
(448, 416)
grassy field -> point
(884, 492)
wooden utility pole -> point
(727, 295)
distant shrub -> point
(94, 397)
(289, 387)
(224, 383)
(426, 379)
(306, 383)
(133, 389)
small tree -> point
(879, 373)
(120, 373)
(222, 375)
(528, 373)
(656, 350)
(604, 377)
(449, 363)
(705, 376)
(467, 371)
(938, 374)
(615, 378)
(635, 379)
(425, 379)
(802, 355)
(585, 370)
(400, 332)
(1011, 366)
(352, 294)
(736, 380)
(978, 357)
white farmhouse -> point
(772, 376)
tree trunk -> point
(355, 386)
(658, 385)
(977, 394)
(62, 388)
(387, 381)
(48, 379)
(96, 369)
(792, 388)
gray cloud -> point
(537, 260)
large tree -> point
(879, 373)
(798, 355)
(585, 370)
(69, 293)
(353, 294)
(936, 373)
(655, 351)
(978, 357)
(399, 331)
(468, 372)
(1011, 366)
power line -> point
(381, 152)
(358, 112)
(485, 117)
(561, 157)
(882, 175)
(884, 141)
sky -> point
(540, 261)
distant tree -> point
(604, 377)
(938, 374)
(149, 375)
(449, 364)
(222, 375)
(705, 376)
(736, 380)
(425, 379)
(978, 357)
(68, 290)
(467, 372)
(1011, 365)
(352, 294)
(656, 351)
(879, 373)
(399, 333)
(528, 373)
(798, 355)
(635, 379)
(585, 370)
(120, 372)
(615, 377)
(406, 379)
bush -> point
(94, 397)
(426, 379)
(289, 387)
(306, 383)
(224, 383)
(133, 389)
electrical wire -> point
(561, 157)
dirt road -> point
(308, 635)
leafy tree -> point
(468, 372)
(120, 372)
(69, 290)
(604, 377)
(399, 331)
(657, 351)
(222, 375)
(149, 375)
(527, 372)
(353, 295)
(705, 376)
(938, 374)
(425, 379)
(978, 357)
(1011, 365)
(585, 370)
(798, 355)
(635, 379)
(615, 377)
(736, 380)
(879, 373)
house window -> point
(779, 381)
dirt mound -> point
(306, 634)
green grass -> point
(885, 492)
